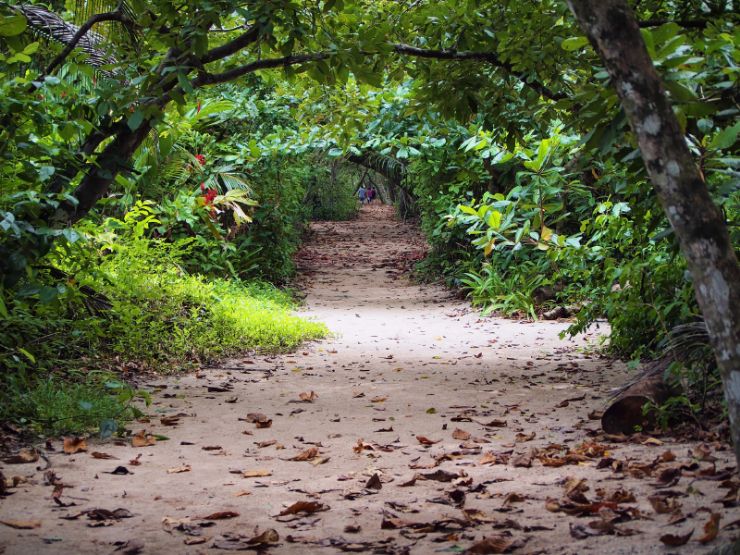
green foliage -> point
(96, 401)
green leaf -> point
(135, 120)
(725, 138)
(574, 43)
(28, 355)
(12, 25)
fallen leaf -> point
(711, 528)
(135, 461)
(259, 419)
(256, 473)
(307, 507)
(220, 515)
(143, 439)
(308, 397)
(379, 399)
(491, 544)
(521, 438)
(495, 423)
(672, 540)
(374, 482)
(74, 445)
(237, 542)
(22, 524)
(461, 435)
(426, 441)
(179, 469)
(196, 540)
(306, 455)
(24, 456)
(99, 455)
(522, 459)
(170, 420)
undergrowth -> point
(126, 304)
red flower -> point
(201, 159)
(209, 195)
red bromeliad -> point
(201, 159)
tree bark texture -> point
(698, 223)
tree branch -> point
(482, 56)
(686, 24)
(81, 32)
(231, 47)
(214, 78)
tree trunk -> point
(95, 184)
(698, 223)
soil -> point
(426, 428)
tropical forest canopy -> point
(159, 161)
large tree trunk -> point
(93, 186)
(698, 223)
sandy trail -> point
(406, 361)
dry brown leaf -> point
(308, 397)
(672, 540)
(307, 507)
(461, 435)
(306, 455)
(361, 446)
(426, 441)
(143, 439)
(170, 420)
(135, 461)
(258, 419)
(256, 473)
(242, 493)
(196, 540)
(220, 515)
(495, 423)
(374, 482)
(74, 445)
(24, 456)
(179, 469)
(379, 399)
(523, 459)
(514, 498)
(521, 438)
(491, 544)
(263, 444)
(663, 505)
(99, 455)
(711, 528)
(488, 458)
(22, 524)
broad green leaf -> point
(725, 138)
(12, 25)
(135, 120)
(574, 43)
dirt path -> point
(430, 431)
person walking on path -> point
(362, 194)
(370, 194)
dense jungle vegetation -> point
(158, 164)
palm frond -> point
(50, 25)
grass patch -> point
(63, 346)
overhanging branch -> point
(482, 56)
(204, 78)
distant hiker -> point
(370, 194)
(362, 194)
